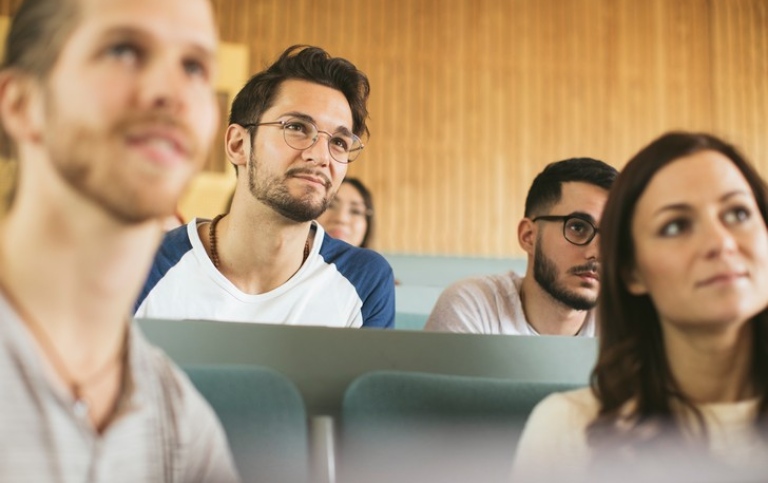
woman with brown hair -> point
(350, 216)
(682, 368)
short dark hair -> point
(632, 362)
(546, 188)
(303, 62)
(370, 215)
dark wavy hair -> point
(370, 224)
(632, 364)
(312, 64)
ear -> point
(237, 143)
(21, 107)
(526, 235)
(634, 282)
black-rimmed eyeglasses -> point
(576, 229)
(302, 134)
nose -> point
(320, 151)
(717, 239)
(592, 249)
(163, 84)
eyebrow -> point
(583, 216)
(121, 32)
(688, 207)
(306, 117)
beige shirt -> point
(554, 445)
(488, 305)
(164, 430)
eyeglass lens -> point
(578, 231)
(303, 134)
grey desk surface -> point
(323, 361)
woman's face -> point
(701, 245)
(345, 217)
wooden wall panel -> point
(471, 98)
(740, 76)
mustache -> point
(138, 121)
(590, 267)
(309, 172)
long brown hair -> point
(632, 365)
(370, 220)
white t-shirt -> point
(488, 305)
(554, 445)
(338, 285)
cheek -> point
(759, 254)
(361, 226)
(205, 117)
(338, 172)
(661, 274)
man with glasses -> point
(293, 129)
(561, 283)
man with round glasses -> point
(560, 287)
(293, 129)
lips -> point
(592, 275)
(311, 179)
(311, 176)
(163, 145)
(722, 278)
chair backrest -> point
(264, 417)
(410, 321)
(436, 427)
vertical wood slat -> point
(470, 99)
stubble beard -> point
(78, 153)
(273, 192)
(546, 274)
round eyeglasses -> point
(576, 229)
(301, 134)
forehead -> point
(326, 106)
(577, 196)
(186, 23)
(693, 180)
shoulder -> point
(351, 259)
(483, 287)
(556, 432)
(193, 431)
(578, 406)
(365, 269)
(176, 243)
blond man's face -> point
(128, 112)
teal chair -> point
(264, 417)
(405, 426)
(410, 321)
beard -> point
(546, 274)
(273, 192)
(95, 162)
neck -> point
(258, 250)
(547, 315)
(72, 271)
(75, 270)
(711, 366)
